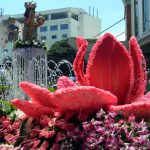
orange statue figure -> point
(31, 22)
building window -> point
(53, 27)
(136, 6)
(60, 15)
(145, 15)
(63, 26)
(64, 35)
(54, 36)
(43, 37)
(43, 29)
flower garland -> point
(29, 44)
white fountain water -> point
(11, 75)
(54, 71)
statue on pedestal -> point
(31, 23)
(13, 29)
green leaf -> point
(52, 89)
(8, 104)
(13, 115)
(22, 128)
(118, 117)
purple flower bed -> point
(102, 131)
(112, 131)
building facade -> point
(60, 24)
(138, 23)
(68, 22)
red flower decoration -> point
(79, 100)
(111, 67)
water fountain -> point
(12, 73)
(54, 71)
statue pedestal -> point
(29, 64)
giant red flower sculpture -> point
(76, 100)
(113, 76)
(113, 68)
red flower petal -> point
(38, 94)
(110, 67)
(59, 137)
(65, 82)
(10, 138)
(143, 98)
(78, 64)
(55, 146)
(138, 109)
(83, 98)
(34, 133)
(44, 146)
(62, 124)
(83, 115)
(33, 110)
(35, 144)
(139, 69)
(47, 134)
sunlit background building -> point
(60, 24)
(138, 23)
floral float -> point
(113, 68)
(114, 81)
(64, 101)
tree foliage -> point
(61, 50)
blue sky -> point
(110, 11)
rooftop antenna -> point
(89, 10)
(1, 12)
(93, 11)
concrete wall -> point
(89, 26)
